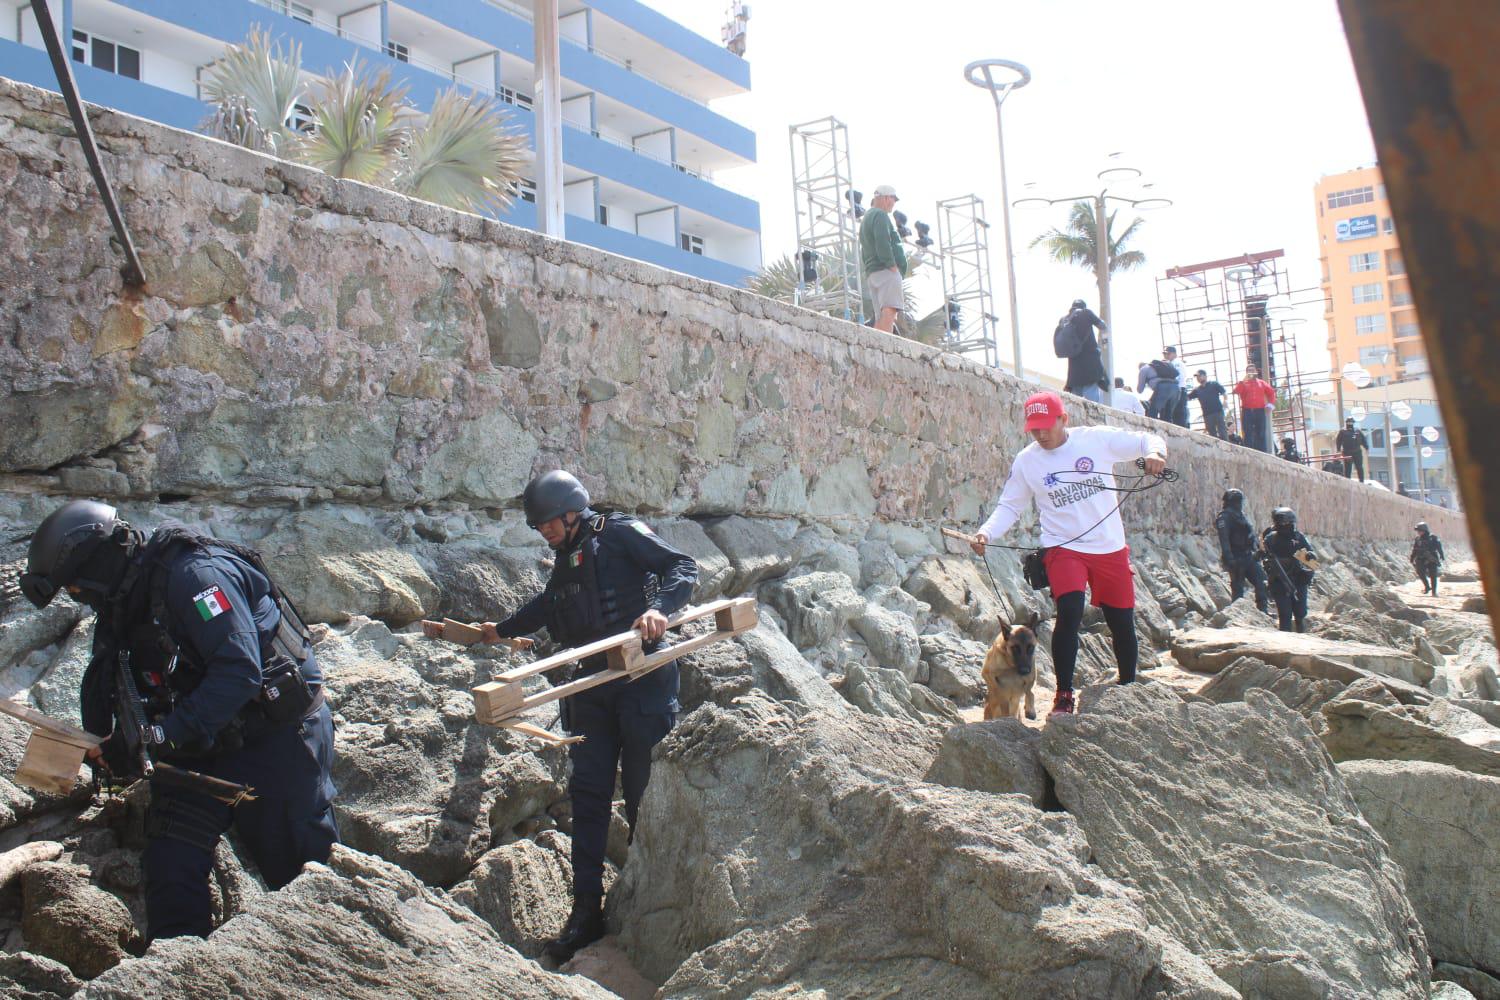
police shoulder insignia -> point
(576, 559)
(642, 527)
(211, 603)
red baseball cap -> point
(1042, 410)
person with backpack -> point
(1074, 339)
(1427, 557)
(194, 630)
(1164, 386)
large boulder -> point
(1304, 695)
(849, 876)
(524, 890)
(1480, 985)
(356, 927)
(815, 606)
(891, 637)
(1242, 839)
(880, 691)
(998, 755)
(420, 782)
(959, 592)
(759, 660)
(1443, 828)
(1362, 728)
(69, 919)
(754, 549)
(714, 570)
(954, 666)
(1208, 650)
(479, 581)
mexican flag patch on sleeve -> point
(211, 604)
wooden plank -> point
(697, 642)
(553, 694)
(60, 731)
(959, 535)
(627, 656)
(461, 632)
(50, 765)
(738, 617)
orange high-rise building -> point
(1367, 297)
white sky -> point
(1231, 110)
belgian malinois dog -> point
(1010, 671)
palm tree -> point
(1079, 245)
(462, 153)
(778, 280)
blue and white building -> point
(640, 144)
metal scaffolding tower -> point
(963, 238)
(1225, 315)
(827, 257)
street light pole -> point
(980, 74)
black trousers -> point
(1355, 461)
(1291, 604)
(1243, 568)
(289, 823)
(1427, 572)
(621, 724)
(1121, 622)
(1213, 424)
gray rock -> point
(1266, 872)
(56, 693)
(760, 660)
(815, 606)
(880, 691)
(479, 582)
(736, 888)
(714, 570)
(1000, 755)
(1242, 614)
(24, 630)
(753, 548)
(1480, 985)
(896, 599)
(1450, 991)
(956, 590)
(1207, 651)
(892, 638)
(359, 927)
(1359, 728)
(1303, 695)
(24, 976)
(878, 563)
(954, 666)
(523, 890)
(67, 918)
(1443, 828)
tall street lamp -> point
(981, 73)
(1111, 175)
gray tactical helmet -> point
(553, 494)
(1234, 498)
(62, 544)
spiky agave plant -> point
(361, 125)
(255, 89)
(464, 156)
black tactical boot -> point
(585, 926)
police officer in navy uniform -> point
(1289, 576)
(611, 573)
(1237, 550)
(230, 688)
(1427, 557)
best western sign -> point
(1357, 228)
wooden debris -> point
(54, 751)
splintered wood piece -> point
(50, 765)
(545, 735)
(461, 632)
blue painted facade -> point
(508, 34)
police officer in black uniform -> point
(1427, 557)
(225, 673)
(1237, 550)
(1289, 575)
(611, 573)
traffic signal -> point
(953, 318)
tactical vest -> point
(1241, 534)
(1281, 546)
(585, 603)
(1425, 549)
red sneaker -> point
(1062, 704)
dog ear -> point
(1004, 629)
(1033, 621)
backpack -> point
(1164, 370)
(1064, 340)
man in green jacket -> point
(883, 259)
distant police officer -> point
(1237, 549)
(1427, 557)
(1290, 573)
(611, 573)
(226, 675)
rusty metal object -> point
(1427, 72)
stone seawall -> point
(305, 340)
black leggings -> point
(1121, 622)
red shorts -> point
(1110, 579)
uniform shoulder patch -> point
(211, 603)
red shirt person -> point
(1256, 397)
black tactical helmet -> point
(1080, 304)
(1422, 527)
(1284, 517)
(63, 544)
(1234, 498)
(553, 494)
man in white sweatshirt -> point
(1069, 473)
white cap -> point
(886, 189)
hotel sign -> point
(1357, 228)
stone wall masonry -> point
(306, 340)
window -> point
(692, 244)
(515, 97)
(1400, 298)
(526, 189)
(301, 119)
(1365, 326)
(1395, 264)
(1408, 330)
(603, 215)
(1388, 225)
(1377, 440)
(1354, 196)
(1364, 262)
(1372, 292)
(1373, 355)
(397, 51)
(1381, 476)
(111, 57)
(296, 11)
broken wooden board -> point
(54, 750)
(502, 700)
